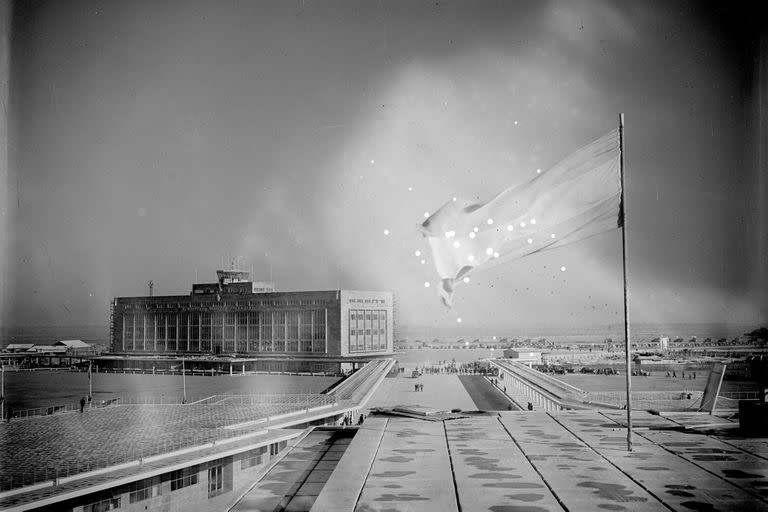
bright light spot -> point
(552, 235)
(495, 255)
(530, 240)
(562, 269)
(372, 161)
(466, 279)
(522, 224)
(475, 229)
(454, 198)
(466, 343)
(515, 123)
(410, 188)
(533, 221)
(489, 221)
(494, 338)
(471, 257)
(472, 235)
(489, 251)
(492, 349)
(510, 227)
(426, 284)
(423, 261)
(456, 244)
(538, 171)
(386, 231)
(417, 253)
(458, 320)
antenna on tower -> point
(151, 287)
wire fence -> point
(288, 399)
(660, 400)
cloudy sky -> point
(149, 139)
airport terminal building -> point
(238, 317)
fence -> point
(300, 400)
(659, 400)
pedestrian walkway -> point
(441, 391)
(516, 395)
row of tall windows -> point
(367, 330)
(226, 331)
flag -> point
(577, 198)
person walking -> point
(530, 406)
(82, 405)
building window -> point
(215, 480)
(104, 505)
(183, 478)
(275, 448)
(253, 458)
(143, 490)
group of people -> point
(418, 387)
(349, 420)
(691, 375)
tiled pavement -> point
(538, 461)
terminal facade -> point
(238, 317)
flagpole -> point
(90, 384)
(627, 344)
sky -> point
(149, 140)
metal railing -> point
(299, 399)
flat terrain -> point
(30, 389)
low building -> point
(18, 347)
(528, 358)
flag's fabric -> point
(577, 198)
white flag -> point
(577, 198)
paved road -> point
(485, 396)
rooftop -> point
(539, 461)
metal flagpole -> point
(90, 384)
(184, 381)
(627, 344)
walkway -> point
(441, 391)
(485, 395)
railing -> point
(740, 395)
(660, 400)
(358, 385)
(301, 400)
(566, 396)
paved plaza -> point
(441, 391)
(539, 461)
